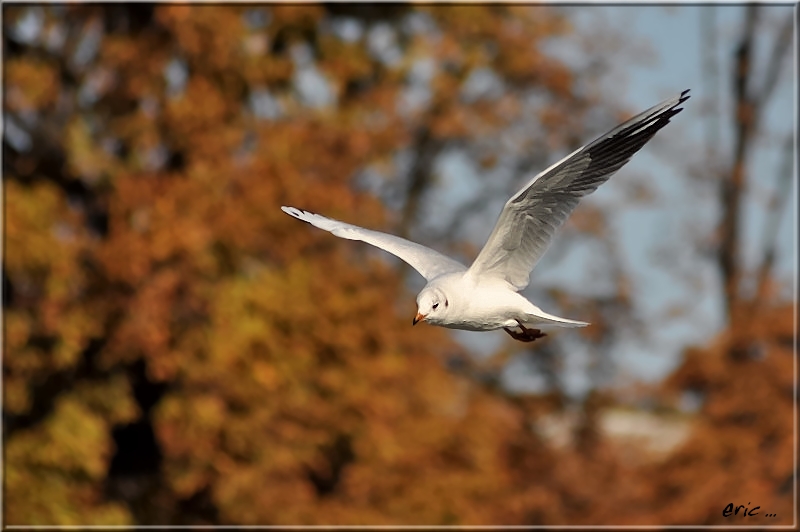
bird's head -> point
(432, 304)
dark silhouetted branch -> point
(746, 111)
(773, 224)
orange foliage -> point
(179, 351)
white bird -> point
(485, 296)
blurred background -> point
(179, 351)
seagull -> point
(485, 296)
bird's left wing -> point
(427, 262)
(530, 218)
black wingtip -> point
(683, 97)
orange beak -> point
(418, 318)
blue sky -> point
(686, 208)
(664, 244)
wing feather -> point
(531, 217)
(428, 262)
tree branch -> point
(731, 189)
(773, 224)
(779, 49)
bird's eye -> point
(435, 306)
(446, 303)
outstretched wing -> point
(531, 217)
(427, 262)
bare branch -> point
(731, 189)
(711, 68)
(780, 47)
(773, 224)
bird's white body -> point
(486, 296)
(484, 304)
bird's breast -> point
(482, 307)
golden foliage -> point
(179, 351)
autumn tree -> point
(179, 351)
(741, 451)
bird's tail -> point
(540, 317)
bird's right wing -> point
(427, 262)
(530, 218)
